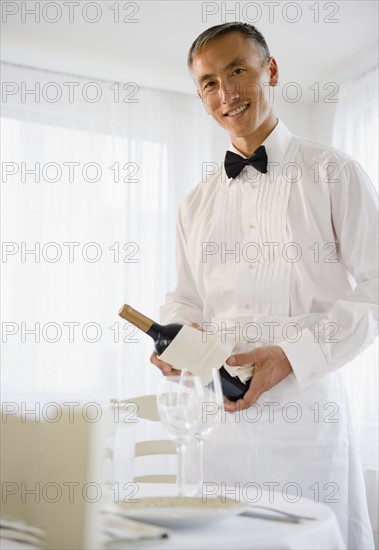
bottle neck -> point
(140, 321)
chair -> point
(49, 471)
(146, 408)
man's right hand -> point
(165, 368)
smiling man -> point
(292, 275)
(232, 76)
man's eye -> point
(238, 71)
(209, 84)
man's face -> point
(234, 85)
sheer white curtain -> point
(355, 131)
(93, 173)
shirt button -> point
(252, 266)
(252, 226)
(247, 306)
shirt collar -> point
(276, 144)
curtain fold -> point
(355, 131)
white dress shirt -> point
(289, 258)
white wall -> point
(321, 121)
(310, 120)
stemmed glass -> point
(212, 409)
(179, 400)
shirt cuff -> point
(307, 360)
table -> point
(238, 532)
(235, 532)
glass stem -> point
(200, 447)
(181, 449)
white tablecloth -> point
(238, 532)
(235, 532)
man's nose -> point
(229, 91)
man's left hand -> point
(271, 367)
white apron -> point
(300, 444)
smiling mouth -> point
(238, 110)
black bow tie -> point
(234, 163)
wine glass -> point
(179, 400)
(212, 410)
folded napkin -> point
(118, 527)
(244, 372)
(198, 352)
(24, 533)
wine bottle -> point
(163, 335)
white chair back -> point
(145, 408)
(50, 475)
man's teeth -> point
(239, 110)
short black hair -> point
(218, 30)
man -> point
(285, 258)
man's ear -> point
(273, 71)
